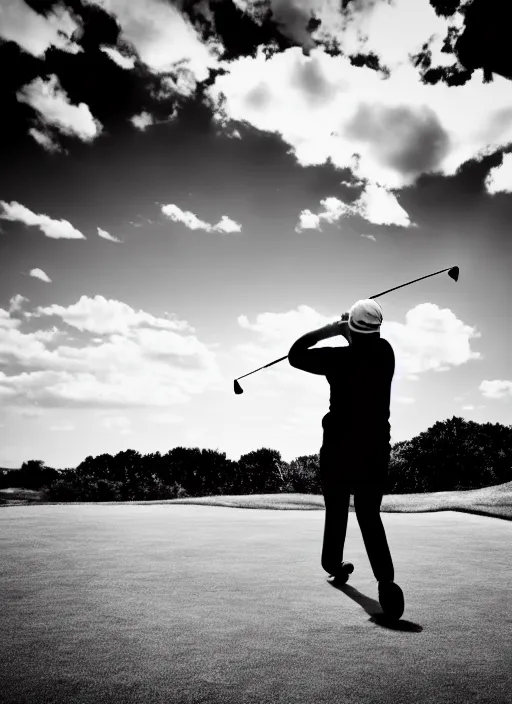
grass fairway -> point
(188, 604)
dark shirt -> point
(360, 379)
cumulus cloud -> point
(126, 62)
(499, 178)
(35, 33)
(16, 303)
(145, 361)
(380, 206)
(54, 108)
(104, 316)
(191, 220)
(56, 229)
(496, 389)
(107, 236)
(163, 38)
(375, 204)
(432, 339)
(142, 121)
(226, 224)
(388, 131)
(39, 274)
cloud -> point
(39, 274)
(308, 221)
(45, 140)
(370, 237)
(147, 362)
(35, 33)
(226, 224)
(51, 101)
(163, 38)
(191, 220)
(142, 121)
(107, 316)
(126, 62)
(379, 206)
(499, 178)
(496, 389)
(375, 204)
(107, 236)
(388, 131)
(56, 229)
(432, 339)
(16, 303)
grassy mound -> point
(493, 501)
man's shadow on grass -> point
(374, 609)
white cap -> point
(365, 316)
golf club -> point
(453, 273)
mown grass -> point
(493, 501)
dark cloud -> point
(412, 141)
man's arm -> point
(313, 361)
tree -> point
(304, 474)
(261, 471)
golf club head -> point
(454, 273)
(238, 388)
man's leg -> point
(337, 498)
(367, 501)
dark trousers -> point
(341, 476)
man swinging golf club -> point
(356, 447)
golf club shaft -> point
(411, 282)
(452, 274)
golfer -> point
(356, 447)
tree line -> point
(453, 454)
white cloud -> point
(379, 206)
(226, 224)
(142, 121)
(497, 388)
(39, 274)
(45, 140)
(387, 131)
(370, 237)
(191, 220)
(432, 339)
(52, 103)
(375, 204)
(107, 316)
(56, 229)
(154, 367)
(163, 38)
(308, 221)
(499, 178)
(126, 62)
(36, 33)
(185, 216)
(107, 236)
(16, 302)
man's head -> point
(365, 319)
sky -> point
(188, 187)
